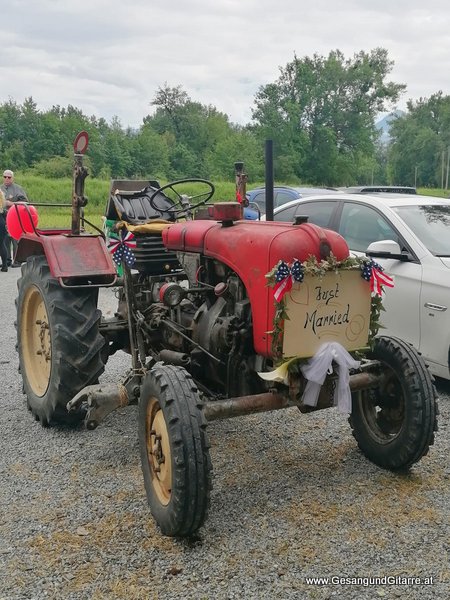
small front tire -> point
(174, 450)
(394, 425)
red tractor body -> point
(251, 250)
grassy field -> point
(40, 190)
(59, 191)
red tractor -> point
(205, 334)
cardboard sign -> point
(333, 308)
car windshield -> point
(430, 223)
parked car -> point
(281, 194)
(382, 189)
(409, 235)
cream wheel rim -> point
(35, 341)
(158, 452)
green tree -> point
(195, 129)
(321, 112)
(238, 144)
(55, 167)
(150, 153)
(118, 150)
(12, 152)
(169, 101)
(420, 140)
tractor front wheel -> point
(174, 450)
(394, 424)
(58, 341)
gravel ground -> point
(293, 498)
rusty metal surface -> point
(235, 407)
(68, 256)
(101, 400)
(285, 398)
(78, 199)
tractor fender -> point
(72, 259)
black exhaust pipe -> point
(269, 180)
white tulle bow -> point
(320, 365)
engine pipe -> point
(269, 180)
(245, 405)
(104, 399)
(174, 358)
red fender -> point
(73, 260)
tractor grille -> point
(151, 255)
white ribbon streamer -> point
(320, 365)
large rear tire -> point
(395, 424)
(58, 341)
(174, 450)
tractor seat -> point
(134, 206)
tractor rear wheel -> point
(58, 341)
(174, 450)
(394, 425)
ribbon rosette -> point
(374, 273)
(285, 277)
(121, 248)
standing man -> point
(3, 233)
(13, 192)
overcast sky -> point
(109, 58)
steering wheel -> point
(182, 202)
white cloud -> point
(109, 58)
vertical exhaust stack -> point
(269, 180)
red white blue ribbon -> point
(285, 277)
(121, 248)
(374, 273)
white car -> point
(409, 235)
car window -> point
(260, 200)
(431, 224)
(282, 197)
(285, 214)
(318, 213)
(361, 225)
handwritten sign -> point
(333, 308)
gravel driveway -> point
(293, 499)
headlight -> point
(171, 294)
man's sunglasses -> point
(6, 176)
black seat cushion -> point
(135, 207)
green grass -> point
(59, 191)
(41, 190)
(439, 192)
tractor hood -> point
(252, 249)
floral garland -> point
(282, 277)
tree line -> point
(320, 113)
